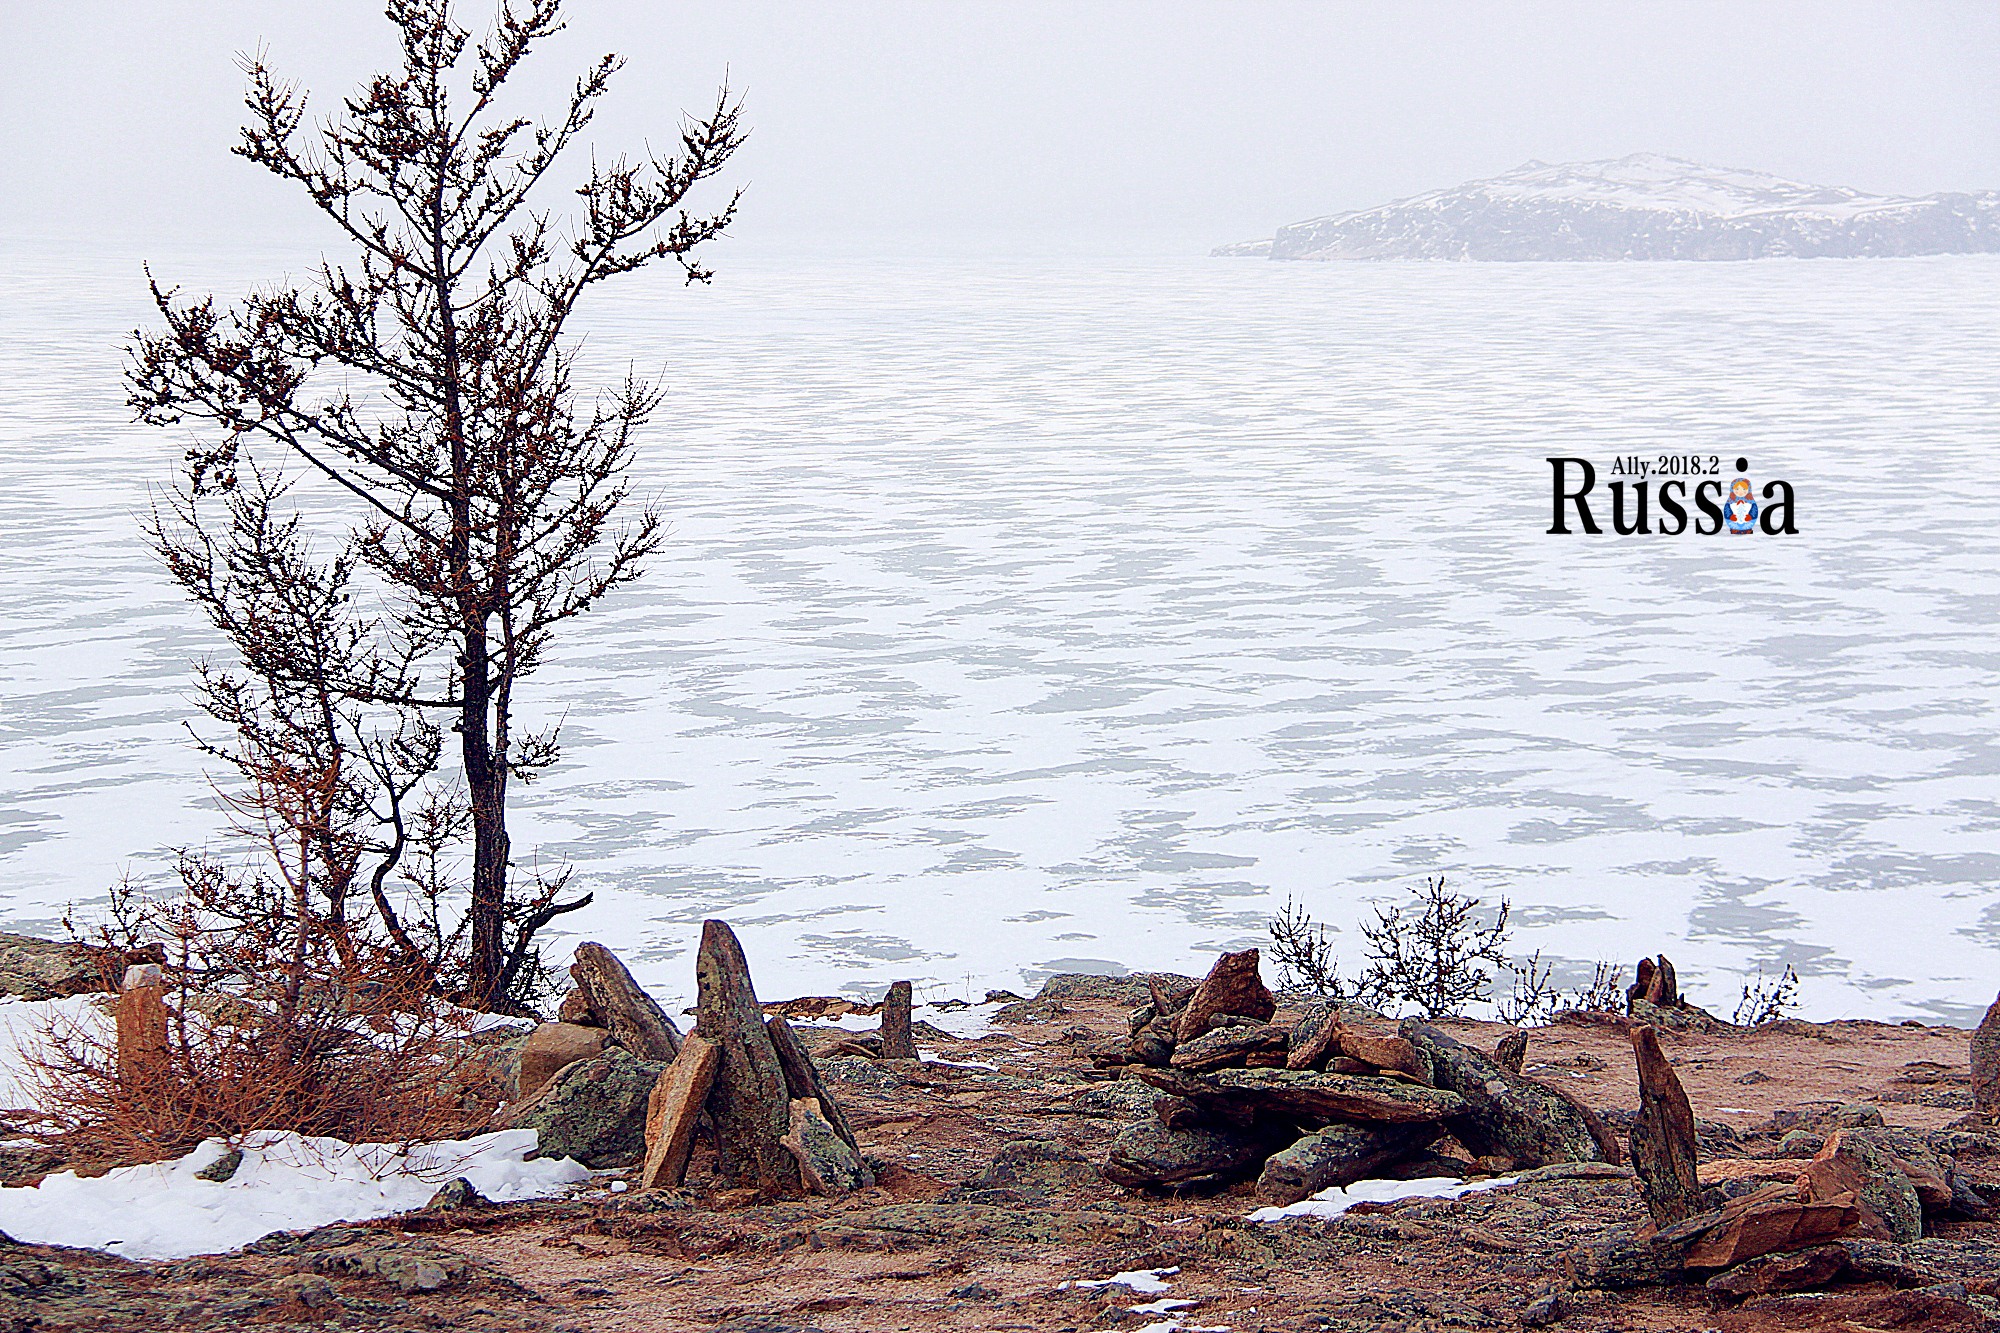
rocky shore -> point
(1093, 1161)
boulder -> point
(1853, 1162)
(593, 1110)
(1769, 1224)
(1232, 986)
(1315, 1038)
(1306, 1097)
(1150, 1155)
(35, 969)
(1504, 1115)
(1512, 1052)
(828, 1164)
(1798, 1270)
(1337, 1154)
(575, 1008)
(1384, 1050)
(1986, 1064)
(897, 1041)
(553, 1047)
(1228, 1047)
(635, 1019)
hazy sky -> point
(1146, 125)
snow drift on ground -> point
(286, 1182)
(1334, 1201)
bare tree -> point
(429, 380)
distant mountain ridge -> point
(1647, 206)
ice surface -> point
(285, 1182)
(1057, 616)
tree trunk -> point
(634, 1018)
(673, 1109)
(1663, 1142)
(897, 1043)
(750, 1103)
(802, 1078)
(485, 783)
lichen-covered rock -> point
(1337, 1154)
(1505, 1115)
(1308, 1098)
(1854, 1161)
(1229, 1047)
(35, 969)
(828, 1164)
(593, 1110)
(1037, 1165)
(1150, 1155)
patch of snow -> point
(932, 1057)
(1163, 1306)
(286, 1182)
(21, 1025)
(1334, 1201)
(1145, 1281)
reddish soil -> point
(933, 1248)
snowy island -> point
(1646, 206)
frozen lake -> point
(1046, 615)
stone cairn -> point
(614, 1080)
(1339, 1095)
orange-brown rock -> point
(1772, 1224)
(552, 1048)
(1384, 1050)
(1232, 986)
(673, 1110)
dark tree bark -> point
(897, 1042)
(750, 1103)
(428, 381)
(1663, 1138)
(634, 1018)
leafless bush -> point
(1304, 954)
(1433, 953)
(1767, 999)
(1536, 998)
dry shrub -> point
(272, 1023)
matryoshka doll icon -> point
(1740, 511)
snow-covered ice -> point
(285, 1182)
(1335, 1200)
(1060, 616)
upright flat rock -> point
(1232, 986)
(634, 1018)
(898, 1043)
(1986, 1064)
(750, 1103)
(1505, 1114)
(1663, 1136)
